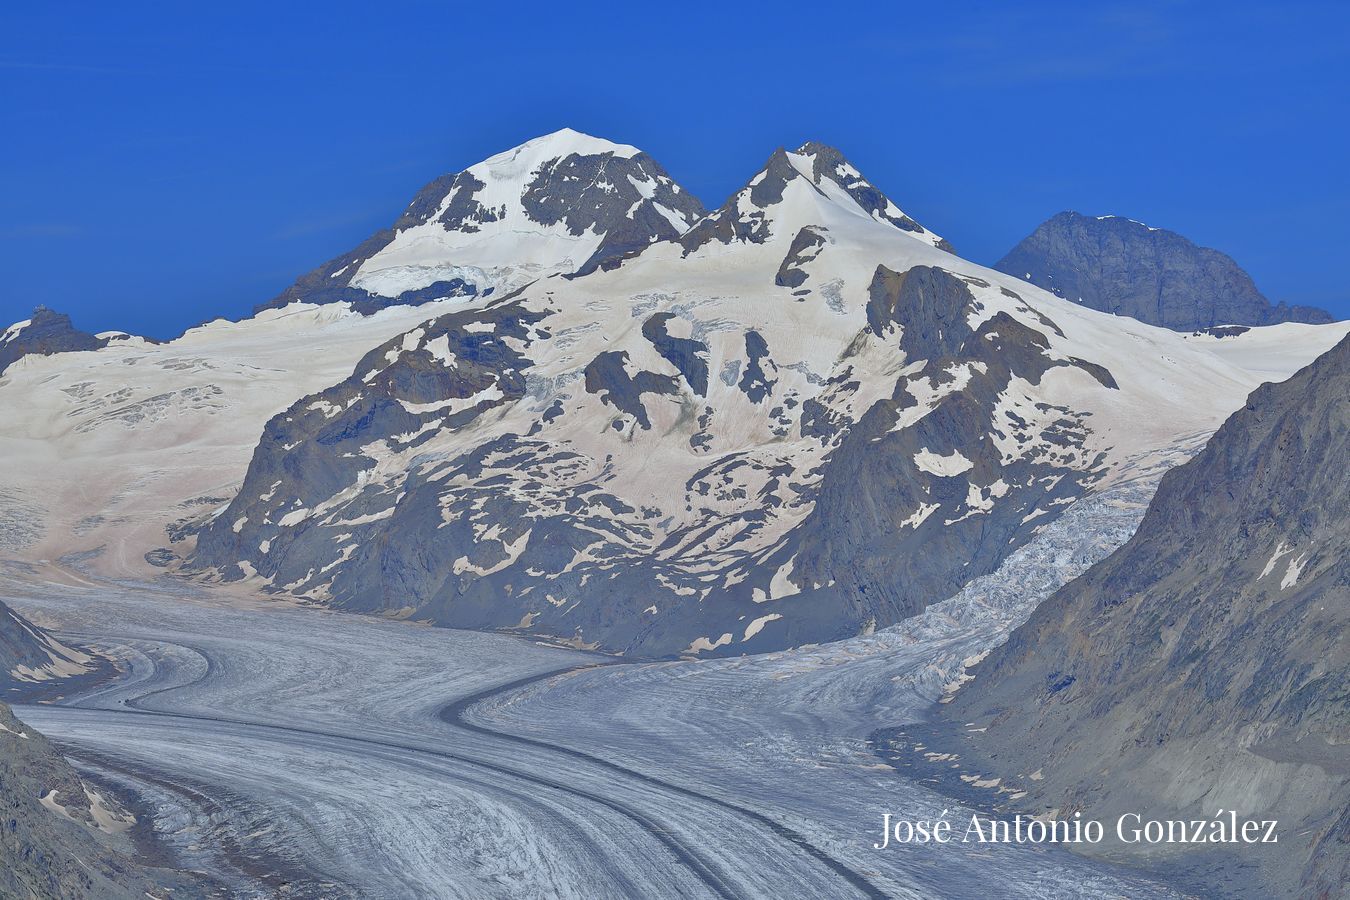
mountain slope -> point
(750, 436)
(1124, 267)
(559, 203)
(29, 655)
(61, 837)
(105, 450)
(1203, 665)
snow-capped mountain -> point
(801, 418)
(107, 450)
(1128, 268)
(564, 202)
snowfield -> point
(108, 448)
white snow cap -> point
(505, 252)
(557, 145)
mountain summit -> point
(556, 204)
(1125, 267)
(798, 190)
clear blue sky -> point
(166, 163)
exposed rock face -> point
(1124, 267)
(562, 203)
(972, 500)
(61, 837)
(30, 656)
(1203, 666)
(47, 332)
(747, 437)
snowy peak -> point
(797, 190)
(562, 203)
(829, 169)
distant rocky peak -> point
(44, 333)
(1122, 266)
(763, 209)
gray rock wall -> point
(1120, 266)
(1203, 666)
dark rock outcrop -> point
(47, 332)
(64, 838)
(1124, 267)
(1203, 666)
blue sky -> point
(166, 163)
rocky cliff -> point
(1124, 267)
(1203, 666)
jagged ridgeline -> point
(565, 202)
(791, 419)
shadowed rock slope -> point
(1202, 667)
(1124, 267)
(47, 332)
(60, 837)
(32, 660)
